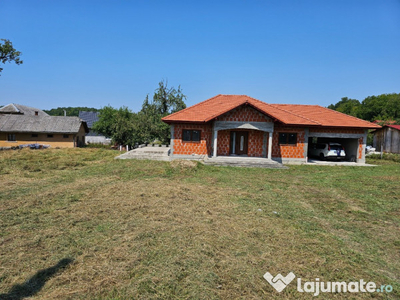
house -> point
(21, 125)
(387, 139)
(228, 125)
(92, 137)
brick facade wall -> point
(223, 142)
(244, 114)
(288, 151)
(204, 147)
(256, 138)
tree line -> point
(383, 108)
(69, 111)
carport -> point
(354, 143)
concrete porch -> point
(163, 153)
(240, 161)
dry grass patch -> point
(179, 230)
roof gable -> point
(244, 113)
(288, 114)
(19, 109)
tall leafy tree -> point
(105, 124)
(165, 101)
(8, 53)
(124, 127)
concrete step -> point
(251, 162)
(152, 153)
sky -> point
(95, 53)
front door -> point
(239, 142)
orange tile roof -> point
(288, 114)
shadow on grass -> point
(34, 284)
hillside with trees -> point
(384, 108)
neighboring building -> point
(20, 124)
(387, 139)
(90, 117)
(240, 125)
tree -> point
(385, 107)
(126, 127)
(8, 53)
(347, 106)
(118, 124)
(165, 101)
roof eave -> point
(183, 121)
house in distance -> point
(21, 125)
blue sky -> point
(95, 53)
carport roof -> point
(288, 114)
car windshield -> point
(336, 147)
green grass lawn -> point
(78, 224)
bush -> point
(386, 156)
(98, 146)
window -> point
(191, 135)
(288, 138)
(292, 138)
(34, 135)
(49, 135)
(65, 136)
(196, 135)
(11, 137)
(187, 136)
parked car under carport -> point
(327, 151)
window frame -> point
(190, 132)
(287, 140)
(50, 136)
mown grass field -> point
(78, 224)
